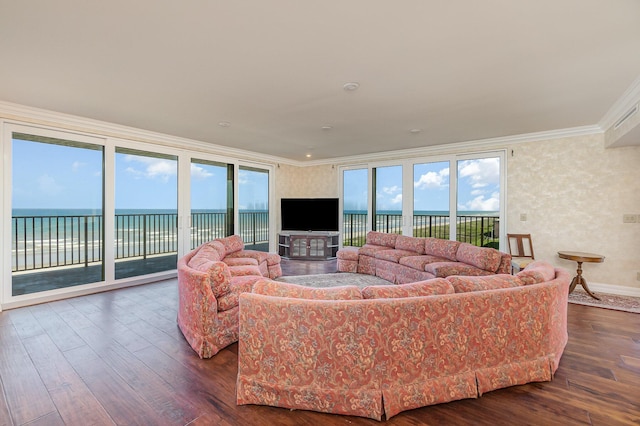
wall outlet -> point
(629, 218)
(523, 217)
(638, 276)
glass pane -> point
(387, 184)
(431, 200)
(356, 197)
(146, 233)
(57, 222)
(211, 201)
(478, 201)
(253, 207)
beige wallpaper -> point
(573, 191)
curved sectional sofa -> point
(385, 349)
(210, 280)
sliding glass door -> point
(431, 205)
(387, 199)
(355, 206)
(253, 207)
(211, 201)
(56, 211)
(146, 215)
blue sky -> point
(478, 186)
(55, 176)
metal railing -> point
(40, 242)
(473, 229)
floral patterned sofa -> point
(210, 280)
(403, 259)
(385, 349)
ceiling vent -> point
(625, 117)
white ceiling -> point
(458, 70)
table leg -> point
(578, 279)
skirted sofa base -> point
(382, 350)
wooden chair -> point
(521, 250)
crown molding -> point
(457, 147)
(628, 99)
(21, 114)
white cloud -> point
(481, 204)
(390, 190)
(77, 165)
(153, 167)
(482, 172)
(48, 185)
(431, 180)
(397, 199)
(199, 173)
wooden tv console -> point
(308, 245)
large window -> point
(56, 213)
(211, 201)
(355, 206)
(431, 200)
(146, 196)
(253, 207)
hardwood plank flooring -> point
(118, 358)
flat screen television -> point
(309, 214)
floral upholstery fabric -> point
(367, 265)
(259, 256)
(441, 248)
(393, 255)
(412, 244)
(348, 253)
(208, 293)
(371, 249)
(231, 243)
(281, 289)
(381, 239)
(410, 275)
(536, 272)
(347, 266)
(422, 288)
(383, 356)
(418, 262)
(444, 269)
(239, 261)
(481, 257)
(463, 284)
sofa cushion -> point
(381, 239)
(393, 255)
(269, 287)
(421, 288)
(205, 254)
(413, 244)
(445, 269)
(491, 282)
(419, 262)
(481, 257)
(219, 276)
(232, 243)
(239, 285)
(219, 247)
(441, 248)
(259, 256)
(371, 249)
(238, 261)
(241, 270)
(348, 253)
(537, 272)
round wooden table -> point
(580, 257)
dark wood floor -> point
(119, 358)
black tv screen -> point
(309, 214)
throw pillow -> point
(269, 287)
(488, 282)
(537, 272)
(480, 257)
(421, 288)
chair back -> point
(520, 245)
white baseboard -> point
(620, 290)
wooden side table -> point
(581, 257)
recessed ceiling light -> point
(414, 131)
(327, 127)
(224, 124)
(308, 155)
(350, 87)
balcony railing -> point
(473, 229)
(40, 242)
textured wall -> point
(573, 191)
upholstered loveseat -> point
(210, 280)
(382, 350)
(403, 259)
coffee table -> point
(581, 257)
